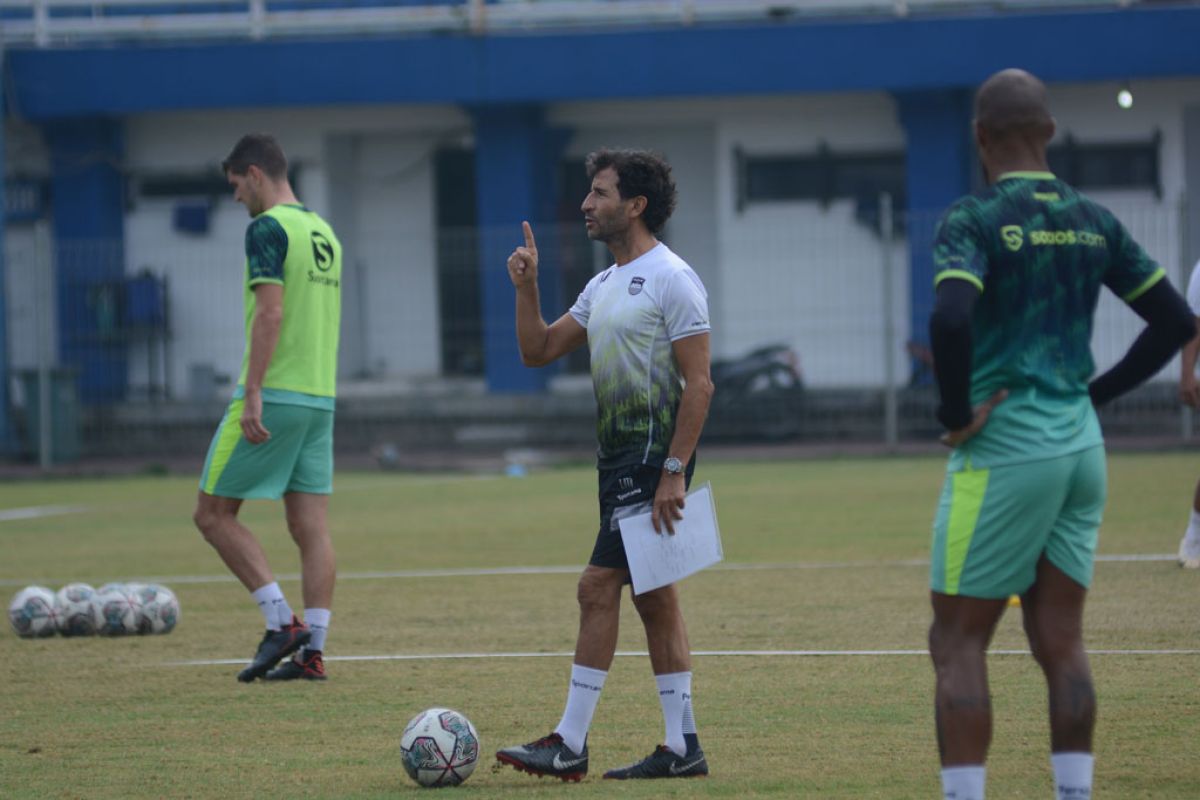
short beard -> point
(603, 234)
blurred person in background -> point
(1189, 394)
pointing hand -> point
(523, 263)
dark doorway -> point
(458, 262)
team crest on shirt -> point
(635, 285)
(322, 251)
(1014, 237)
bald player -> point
(1018, 272)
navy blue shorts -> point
(624, 492)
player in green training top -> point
(645, 322)
(276, 439)
(1018, 270)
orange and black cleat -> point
(306, 665)
(276, 645)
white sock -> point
(582, 698)
(675, 695)
(1072, 775)
(1193, 529)
(273, 605)
(317, 620)
(963, 783)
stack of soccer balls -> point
(116, 609)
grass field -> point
(832, 551)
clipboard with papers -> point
(658, 559)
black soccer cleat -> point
(547, 756)
(276, 645)
(306, 665)
(663, 763)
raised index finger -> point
(529, 242)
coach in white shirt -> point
(645, 321)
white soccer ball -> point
(78, 613)
(439, 747)
(159, 607)
(119, 611)
(31, 612)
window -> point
(823, 177)
(202, 183)
(191, 184)
(1112, 165)
(460, 300)
(25, 199)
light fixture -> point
(1125, 96)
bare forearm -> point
(693, 410)
(531, 328)
(264, 335)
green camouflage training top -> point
(1039, 252)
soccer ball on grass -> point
(31, 612)
(76, 609)
(159, 607)
(439, 747)
(119, 610)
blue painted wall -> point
(89, 232)
(6, 428)
(930, 63)
(891, 54)
(938, 161)
(515, 157)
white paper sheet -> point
(657, 559)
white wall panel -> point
(795, 272)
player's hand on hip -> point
(668, 503)
(523, 263)
(252, 422)
(982, 412)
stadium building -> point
(815, 143)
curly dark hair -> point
(260, 150)
(640, 173)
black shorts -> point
(624, 492)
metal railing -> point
(132, 350)
(46, 23)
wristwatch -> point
(673, 466)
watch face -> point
(673, 465)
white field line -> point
(37, 512)
(548, 570)
(636, 654)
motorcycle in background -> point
(757, 396)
